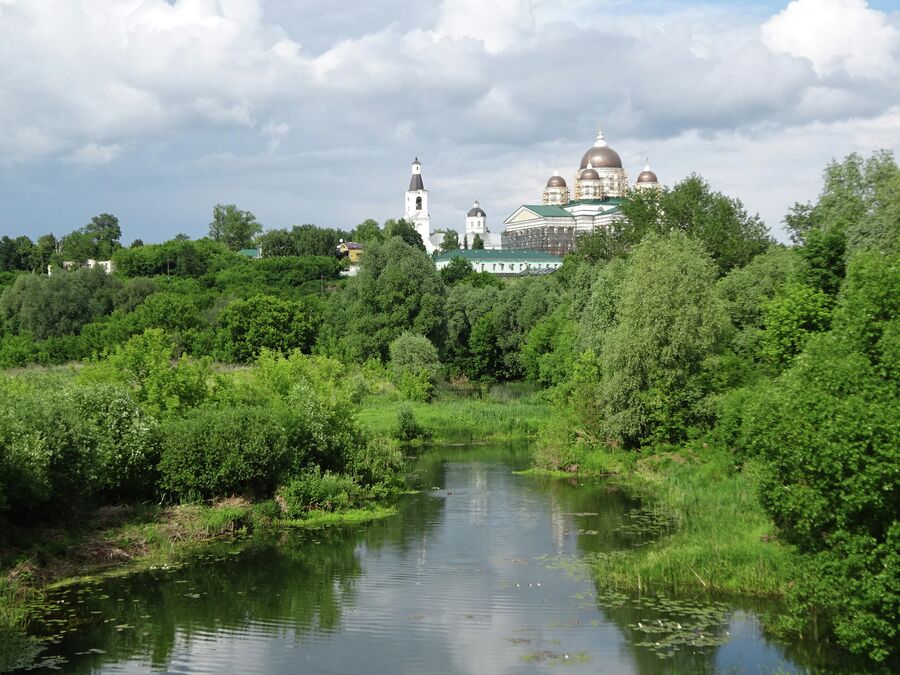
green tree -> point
(789, 319)
(450, 242)
(397, 289)
(405, 231)
(105, 233)
(456, 270)
(161, 382)
(414, 365)
(246, 327)
(312, 240)
(367, 231)
(477, 243)
(859, 201)
(276, 243)
(466, 303)
(669, 322)
(485, 361)
(17, 254)
(57, 305)
(78, 247)
(233, 227)
(731, 236)
(47, 252)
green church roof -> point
(498, 256)
(548, 211)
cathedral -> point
(598, 187)
(553, 226)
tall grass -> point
(721, 542)
(453, 419)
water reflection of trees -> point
(292, 580)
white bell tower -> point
(416, 210)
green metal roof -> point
(250, 252)
(498, 256)
(548, 211)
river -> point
(479, 572)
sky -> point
(310, 111)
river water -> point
(479, 572)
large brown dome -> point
(647, 176)
(601, 156)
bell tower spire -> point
(416, 207)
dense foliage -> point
(684, 325)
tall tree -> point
(860, 201)
(77, 247)
(450, 242)
(397, 289)
(105, 233)
(477, 243)
(233, 227)
(405, 230)
(367, 231)
(731, 236)
(669, 321)
(276, 243)
(312, 240)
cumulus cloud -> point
(93, 154)
(103, 70)
(280, 106)
(836, 35)
(499, 24)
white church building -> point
(599, 186)
(415, 211)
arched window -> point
(418, 203)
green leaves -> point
(247, 327)
(668, 321)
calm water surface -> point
(478, 573)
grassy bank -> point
(716, 537)
(452, 418)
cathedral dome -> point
(556, 181)
(601, 155)
(477, 212)
(647, 176)
(590, 174)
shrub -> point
(414, 366)
(317, 490)
(74, 443)
(162, 382)
(223, 451)
(377, 463)
(408, 427)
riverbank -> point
(452, 418)
(120, 540)
(713, 535)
